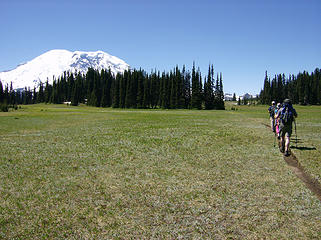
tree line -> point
(177, 89)
(304, 88)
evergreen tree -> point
(94, 86)
(75, 93)
(187, 88)
(28, 96)
(129, 91)
(25, 96)
(141, 90)
(266, 93)
(166, 91)
(220, 105)
(161, 85)
(34, 96)
(154, 89)
(279, 95)
(208, 90)
(47, 92)
(123, 89)
(104, 101)
(12, 97)
(90, 81)
(40, 96)
(54, 95)
(180, 88)
(245, 101)
(234, 97)
(109, 82)
(173, 99)
(1, 93)
(316, 88)
(18, 97)
(97, 89)
(116, 91)
(196, 100)
(68, 87)
(93, 99)
(146, 95)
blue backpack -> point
(287, 115)
(272, 111)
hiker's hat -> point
(287, 101)
(273, 102)
(278, 105)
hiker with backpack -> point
(286, 116)
(272, 113)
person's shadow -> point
(298, 141)
(304, 148)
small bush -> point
(4, 107)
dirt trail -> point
(310, 182)
(299, 171)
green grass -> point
(95, 173)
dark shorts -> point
(285, 130)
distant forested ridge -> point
(304, 88)
(177, 89)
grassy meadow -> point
(96, 173)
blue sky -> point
(242, 39)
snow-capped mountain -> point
(55, 62)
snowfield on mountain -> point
(55, 62)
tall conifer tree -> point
(116, 91)
(1, 93)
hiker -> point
(272, 113)
(286, 115)
(276, 121)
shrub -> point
(4, 107)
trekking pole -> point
(274, 139)
(274, 132)
(274, 127)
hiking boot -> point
(287, 153)
(281, 149)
